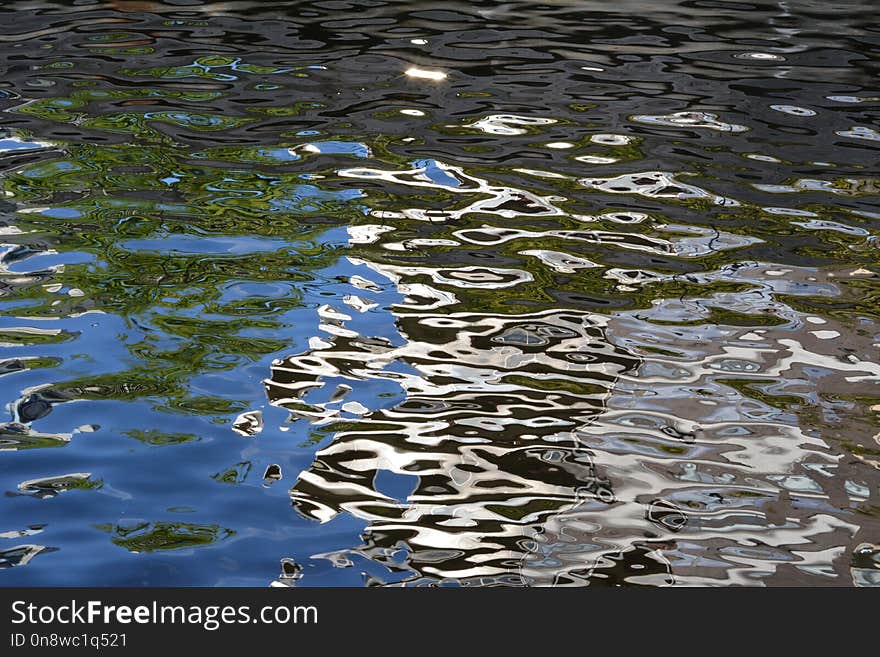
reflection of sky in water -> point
(14, 144)
(203, 444)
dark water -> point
(369, 293)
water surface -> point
(383, 293)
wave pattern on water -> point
(439, 294)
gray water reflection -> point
(491, 459)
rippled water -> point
(370, 293)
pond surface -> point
(382, 293)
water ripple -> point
(382, 295)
